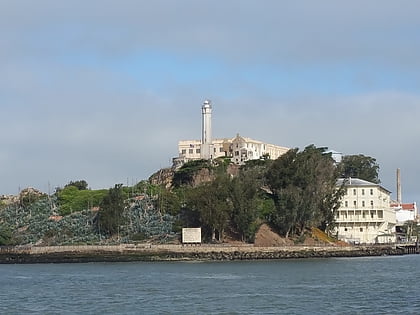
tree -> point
(79, 184)
(5, 235)
(71, 199)
(303, 188)
(110, 215)
(360, 166)
(246, 202)
(211, 201)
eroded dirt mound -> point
(266, 237)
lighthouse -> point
(206, 141)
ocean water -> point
(371, 285)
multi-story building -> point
(365, 215)
(239, 149)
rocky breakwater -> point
(148, 252)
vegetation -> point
(360, 166)
(110, 216)
(303, 188)
(294, 194)
(72, 199)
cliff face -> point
(165, 176)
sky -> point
(103, 90)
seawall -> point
(127, 252)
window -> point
(221, 149)
(380, 214)
(191, 151)
(371, 192)
(345, 229)
(197, 151)
(354, 191)
(363, 203)
(354, 203)
(363, 192)
(183, 151)
(236, 153)
(371, 203)
(346, 203)
(361, 229)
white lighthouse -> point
(206, 141)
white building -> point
(405, 212)
(365, 215)
(239, 149)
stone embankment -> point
(148, 252)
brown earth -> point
(266, 237)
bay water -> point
(367, 285)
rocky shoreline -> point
(127, 253)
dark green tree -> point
(247, 201)
(110, 215)
(212, 204)
(5, 235)
(303, 188)
(79, 184)
(360, 166)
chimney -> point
(399, 199)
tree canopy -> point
(360, 166)
(303, 188)
(110, 215)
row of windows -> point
(362, 190)
(197, 151)
(346, 203)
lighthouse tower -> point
(206, 141)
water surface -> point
(371, 285)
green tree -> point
(71, 199)
(5, 235)
(245, 193)
(360, 166)
(303, 188)
(79, 184)
(110, 215)
(212, 204)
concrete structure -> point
(206, 140)
(365, 215)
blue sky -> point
(103, 90)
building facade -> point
(405, 212)
(239, 149)
(365, 215)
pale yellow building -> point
(239, 149)
(365, 215)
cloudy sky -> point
(103, 90)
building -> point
(405, 212)
(239, 149)
(365, 215)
